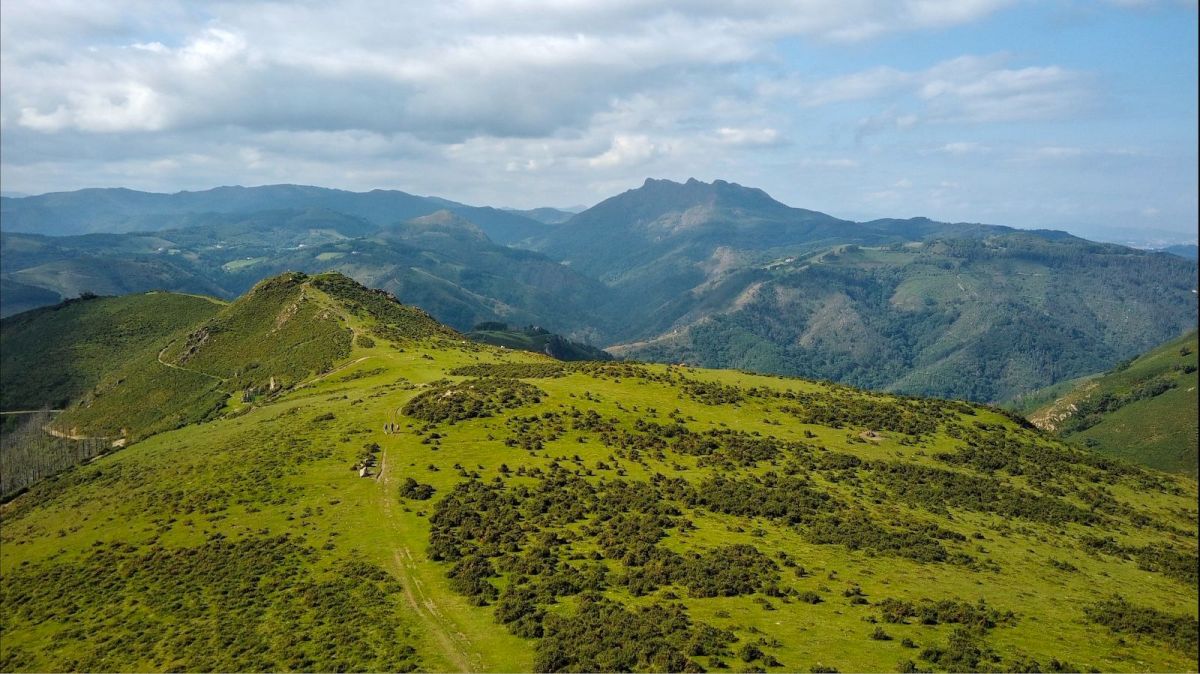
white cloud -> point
(628, 151)
(975, 89)
(550, 101)
(747, 137)
(960, 148)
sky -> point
(1067, 114)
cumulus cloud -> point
(445, 71)
(527, 103)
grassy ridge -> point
(1145, 410)
(597, 516)
(286, 330)
(54, 354)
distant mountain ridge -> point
(124, 210)
(713, 274)
(1186, 251)
(440, 261)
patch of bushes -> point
(1119, 615)
(449, 402)
(934, 489)
(417, 491)
(603, 636)
(978, 616)
(253, 604)
(511, 370)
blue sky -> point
(1063, 114)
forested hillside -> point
(537, 340)
(982, 319)
(53, 355)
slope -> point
(1014, 311)
(1145, 410)
(50, 356)
(285, 330)
(536, 340)
(521, 513)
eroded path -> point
(454, 645)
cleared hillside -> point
(520, 513)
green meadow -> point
(521, 513)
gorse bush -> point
(1119, 615)
(411, 489)
(449, 402)
(256, 603)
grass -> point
(54, 354)
(1156, 430)
(282, 467)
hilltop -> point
(521, 513)
(1144, 410)
(286, 330)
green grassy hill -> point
(1144, 410)
(520, 513)
(51, 355)
(287, 330)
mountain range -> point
(712, 274)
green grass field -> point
(593, 523)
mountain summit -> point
(690, 219)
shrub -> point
(411, 489)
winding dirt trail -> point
(184, 369)
(330, 373)
(454, 644)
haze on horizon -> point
(1068, 114)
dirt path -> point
(71, 436)
(330, 373)
(184, 369)
(454, 645)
